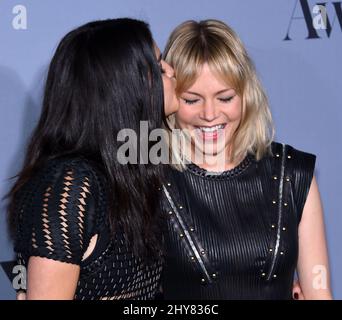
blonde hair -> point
(191, 45)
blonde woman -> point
(244, 212)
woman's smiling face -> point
(211, 111)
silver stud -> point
(263, 274)
(277, 155)
(285, 204)
(203, 280)
(287, 179)
(170, 212)
(192, 258)
(180, 207)
(275, 177)
(274, 202)
(169, 184)
(281, 252)
(284, 229)
(272, 226)
(214, 275)
(271, 250)
(192, 229)
(181, 235)
(288, 157)
(274, 276)
(202, 253)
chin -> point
(212, 152)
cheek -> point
(166, 88)
(185, 115)
(235, 111)
(169, 88)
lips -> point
(210, 132)
(212, 129)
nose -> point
(168, 70)
(209, 112)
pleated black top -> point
(234, 235)
(59, 210)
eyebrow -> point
(218, 92)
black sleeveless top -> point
(59, 210)
(234, 235)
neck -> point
(216, 167)
(214, 163)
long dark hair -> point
(104, 77)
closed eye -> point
(228, 99)
(190, 101)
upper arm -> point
(313, 266)
(51, 280)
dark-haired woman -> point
(84, 225)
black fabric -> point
(233, 235)
(59, 210)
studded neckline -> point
(242, 166)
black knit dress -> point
(59, 210)
(234, 235)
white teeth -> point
(212, 129)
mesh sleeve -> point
(63, 215)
